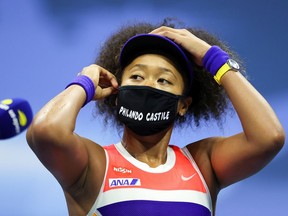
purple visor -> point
(155, 44)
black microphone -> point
(15, 116)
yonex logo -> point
(118, 182)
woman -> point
(150, 83)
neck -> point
(151, 150)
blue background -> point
(45, 43)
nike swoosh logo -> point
(187, 178)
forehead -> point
(156, 62)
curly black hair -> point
(209, 100)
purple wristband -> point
(86, 83)
(214, 58)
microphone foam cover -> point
(15, 116)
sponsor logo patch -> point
(122, 170)
(124, 182)
(187, 178)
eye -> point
(164, 81)
(136, 77)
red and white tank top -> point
(131, 187)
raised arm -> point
(51, 135)
(262, 138)
(239, 156)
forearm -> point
(58, 116)
(260, 124)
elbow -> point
(280, 138)
(276, 140)
(270, 142)
(43, 131)
(36, 132)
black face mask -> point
(146, 110)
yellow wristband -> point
(223, 69)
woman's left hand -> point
(185, 39)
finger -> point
(161, 30)
(174, 36)
(104, 92)
(177, 35)
(103, 83)
(164, 31)
(107, 77)
(108, 91)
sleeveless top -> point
(131, 187)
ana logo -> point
(122, 170)
(122, 182)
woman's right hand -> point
(187, 40)
(105, 82)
